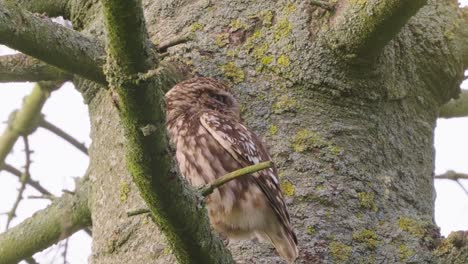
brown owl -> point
(204, 123)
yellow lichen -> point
(285, 104)
(305, 140)
(404, 252)
(287, 188)
(282, 29)
(367, 237)
(267, 60)
(366, 199)
(289, 8)
(196, 27)
(124, 191)
(283, 61)
(412, 226)
(339, 251)
(273, 130)
(237, 24)
(222, 39)
(233, 72)
(310, 230)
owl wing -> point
(246, 148)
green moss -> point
(285, 104)
(404, 252)
(233, 72)
(283, 61)
(282, 29)
(367, 237)
(124, 191)
(366, 199)
(196, 27)
(273, 130)
(339, 251)
(306, 140)
(287, 188)
(412, 226)
(311, 230)
(222, 39)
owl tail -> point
(285, 242)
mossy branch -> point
(362, 28)
(25, 120)
(23, 68)
(52, 8)
(52, 43)
(61, 219)
(234, 175)
(174, 206)
(455, 107)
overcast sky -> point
(56, 163)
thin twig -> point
(173, 42)
(323, 4)
(46, 197)
(454, 176)
(24, 181)
(209, 188)
(59, 132)
(36, 185)
(65, 251)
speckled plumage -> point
(203, 120)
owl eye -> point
(218, 97)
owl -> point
(204, 124)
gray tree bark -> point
(352, 134)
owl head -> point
(200, 94)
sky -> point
(56, 163)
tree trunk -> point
(352, 138)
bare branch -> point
(59, 132)
(455, 107)
(23, 68)
(454, 176)
(24, 121)
(357, 34)
(52, 43)
(46, 227)
(24, 180)
(147, 154)
(234, 175)
(36, 185)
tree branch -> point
(59, 132)
(36, 185)
(24, 121)
(58, 221)
(455, 108)
(174, 206)
(52, 43)
(454, 176)
(362, 28)
(25, 177)
(23, 68)
(52, 8)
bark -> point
(353, 139)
